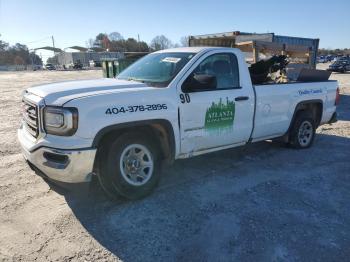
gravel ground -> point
(262, 202)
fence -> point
(18, 67)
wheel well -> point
(315, 107)
(161, 131)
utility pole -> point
(53, 41)
(53, 45)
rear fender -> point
(314, 105)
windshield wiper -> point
(135, 79)
(150, 83)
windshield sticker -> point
(171, 59)
(310, 91)
(220, 115)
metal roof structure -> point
(80, 48)
(98, 49)
(50, 48)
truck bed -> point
(275, 105)
(292, 82)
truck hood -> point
(62, 92)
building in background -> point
(68, 59)
(263, 44)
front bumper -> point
(70, 166)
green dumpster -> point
(111, 67)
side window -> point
(224, 67)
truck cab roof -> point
(195, 49)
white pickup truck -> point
(171, 104)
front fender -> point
(102, 113)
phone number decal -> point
(133, 109)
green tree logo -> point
(220, 115)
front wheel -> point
(131, 168)
(303, 131)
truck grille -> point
(30, 118)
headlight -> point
(61, 121)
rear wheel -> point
(131, 167)
(303, 131)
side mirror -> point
(202, 82)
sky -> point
(33, 22)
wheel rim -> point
(136, 164)
(305, 133)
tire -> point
(103, 180)
(130, 167)
(303, 131)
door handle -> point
(241, 98)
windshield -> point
(157, 69)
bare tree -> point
(115, 36)
(184, 41)
(90, 43)
(115, 42)
(161, 42)
(19, 61)
(17, 54)
(101, 40)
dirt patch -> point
(263, 202)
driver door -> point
(216, 116)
